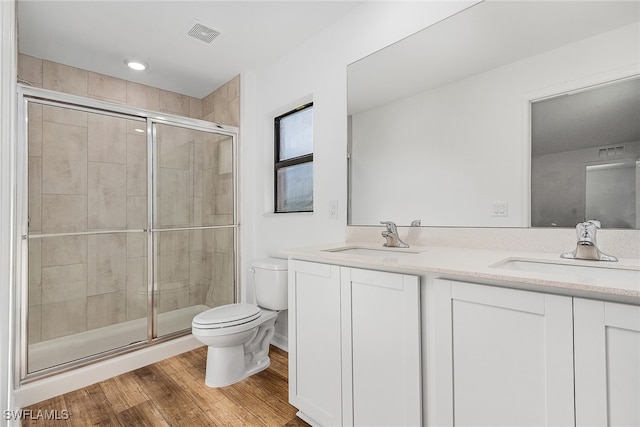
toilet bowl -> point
(238, 335)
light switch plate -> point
(333, 209)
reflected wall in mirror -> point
(584, 149)
(439, 123)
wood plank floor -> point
(173, 393)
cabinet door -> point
(314, 342)
(381, 348)
(607, 363)
(501, 357)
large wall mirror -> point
(507, 114)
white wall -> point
(316, 71)
(7, 180)
(469, 141)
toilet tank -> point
(270, 281)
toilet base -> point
(228, 365)
(225, 366)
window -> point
(294, 160)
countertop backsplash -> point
(619, 243)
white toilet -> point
(238, 335)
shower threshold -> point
(65, 349)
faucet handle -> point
(594, 222)
(416, 223)
(391, 226)
(587, 230)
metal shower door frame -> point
(26, 95)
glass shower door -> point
(87, 249)
(128, 226)
(194, 225)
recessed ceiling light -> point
(136, 64)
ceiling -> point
(99, 35)
(601, 116)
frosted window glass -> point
(295, 188)
(296, 134)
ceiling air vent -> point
(202, 32)
(611, 151)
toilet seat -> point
(226, 316)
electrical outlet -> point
(500, 209)
(333, 209)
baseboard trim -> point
(304, 417)
(281, 342)
(47, 388)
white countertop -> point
(476, 265)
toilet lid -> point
(227, 315)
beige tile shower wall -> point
(174, 176)
(218, 265)
(190, 194)
(217, 190)
(223, 105)
(173, 270)
(195, 267)
(63, 78)
(88, 172)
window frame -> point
(280, 164)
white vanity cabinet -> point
(501, 357)
(380, 348)
(508, 357)
(354, 345)
(607, 363)
(315, 355)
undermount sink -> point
(606, 274)
(375, 253)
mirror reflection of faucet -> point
(414, 231)
(586, 247)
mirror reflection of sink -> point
(607, 274)
(376, 253)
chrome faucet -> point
(391, 234)
(587, 248)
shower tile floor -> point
(172, 393)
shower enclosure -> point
(128, 227)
